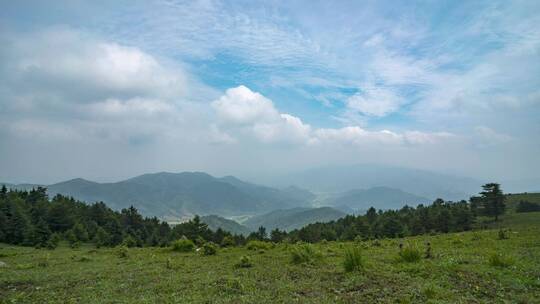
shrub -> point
(199, 241)
(353, 259)
(51, 245)
(410, 254)
(53, 241)
(305, 254)
(502, 234)
(209, 248)
(183, 245)
(525, 206)
(129, 241)
(245, 262)
(84, 259)
(476, 236)
(228, 242)
(500, 260)
(429, 291)
(428, 254)
(258, 245)
(376, 243)
(122, 251)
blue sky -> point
(449, 86)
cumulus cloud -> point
(250, 113)
(240, 105)
(59, 77)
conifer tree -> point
(493, 200)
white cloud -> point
(486, 137)
(134, 107)
(72, 64)
(249, 113)
(240, 105)
(375, 101)
(62, 78)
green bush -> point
(258, 245)
(84, 259)
(500, 260)
(129, 241)
(410, 254)
(53, 241)
(305, 254)
(245, 262)
(353, 259)
(228, 242)
(476, 236)
(376, 243)
(502, 234)
(199, 241)
(209, 248)
(122, 251)
(183, 245)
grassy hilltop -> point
(470, 267)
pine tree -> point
(493, 200)
(261, 234)
(17, 227)
(40, 234)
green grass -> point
(305, 254)
(353, 260)
(411, 253)
(468, 272)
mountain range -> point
(337, 179)
(377, 197)
(337, 191)
(174, 196)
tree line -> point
(30, 218)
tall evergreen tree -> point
(493, 200)
(40, 234)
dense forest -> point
(30, 218)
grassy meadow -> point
(482, 266)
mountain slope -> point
(214, 222)
(379, 198)
(285, 198)
(290, 219)
(180, 195)
(344, 178)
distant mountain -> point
(291, 196)
(290, 219)
(181, 195)
(299, 193)
(214, 222)
(344, 178)
(379, 198)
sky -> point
(107, 90)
